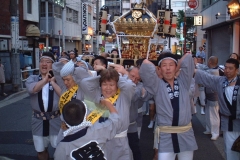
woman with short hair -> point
(119, 90)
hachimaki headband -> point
(167, 58)
(79, 127)
(47, 58)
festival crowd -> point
(94, 111)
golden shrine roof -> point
(136, 20)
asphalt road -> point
(16, 138)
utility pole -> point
(63, 28)
(169, 41)
(97, 26)
(15, 60)
(47, 34)
(185, 29)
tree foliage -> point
(189, 23)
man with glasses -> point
(44, 96)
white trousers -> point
(202, 98)
(41, 142)
(229, 138)
(187, 155)
(212, 117)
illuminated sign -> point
(198, 21)
(90, 31)
(234, 9)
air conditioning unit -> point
(3, 45)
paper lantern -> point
(103, 18)
(167, 22)
(160, 22)
(174, 26)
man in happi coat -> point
(227, 88)
(82, 140)
(68, 76)
(173, 134)
(44, 97)
(212, 108)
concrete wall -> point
(34, 16)
(219, 35)
(209, 14)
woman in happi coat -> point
(173, 134)
(119, 90)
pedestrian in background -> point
(201, 53)
(2, 78)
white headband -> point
(47, 58)
(82, 125)
(167, 58)
(64, 59)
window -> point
(57, 11)
(178, 4)
(69, 14)
(43, 11)
(72, 15)
(29, 6)
(206, 3)
(75, 16)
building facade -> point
(219, 30)
(27, 16)
(71, 25)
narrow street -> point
(16, 138)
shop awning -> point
(32, 31)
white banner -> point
(15, 32)
(84, 18)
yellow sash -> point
(168, 129)
(66, 97)
(98, 112)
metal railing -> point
(28, 72)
